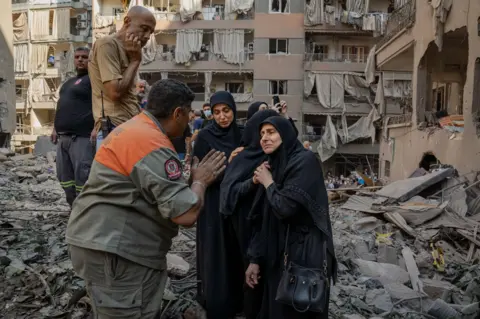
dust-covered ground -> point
(384, 271)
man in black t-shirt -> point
(72, 129)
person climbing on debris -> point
(113, 68)
(122, 224)
(72, 128)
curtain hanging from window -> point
(188, 9)
(229, 45)
(314, 12)
(238, 6)
(38, 58)
(188, 41)
(39, 28)
(20, 28)
(20, 53)
(61, 24)
(149, 51)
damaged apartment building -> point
(343, 101)
(439, 41)
(7, 89)
(45, 35)
(258, 49)
(209, 45)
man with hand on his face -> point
(122, 224)
(113, 67)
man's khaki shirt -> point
(108, 62)
(135, 188)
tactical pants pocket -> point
(116, 302)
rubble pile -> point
(408, 250)
(36, 275)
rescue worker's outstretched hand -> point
(211, 166)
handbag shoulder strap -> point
(285, 251)
(324, 250)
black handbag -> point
(304, 289)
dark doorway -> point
(428, 160)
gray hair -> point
(87, 49)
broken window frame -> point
(354, 53)
(386, 168)
(286, 8)
(278, 87)
(322, 54)
(276, 49)
(235, 87)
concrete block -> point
(387, 254)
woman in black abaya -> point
(219, 262)
(292, 192)
(237, 190)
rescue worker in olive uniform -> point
(122, 224)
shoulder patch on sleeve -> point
(173, 169)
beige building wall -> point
(263, 68)
(7, 77)
(407, 143)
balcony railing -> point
(399, 19)
(400, 119)
(199, 56)
(323, 57)
(207, 14)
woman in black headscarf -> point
(255, 107)
(291, 194)
(237, 190)
(219, 262)
(280, 108)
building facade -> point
(7, 81)
(46, 33)
(440, 42)
(313, 54)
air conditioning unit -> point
(82, 24)
(82, 17)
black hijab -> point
(244, 164)
(298, 173)
(222, 139)
(253, 108)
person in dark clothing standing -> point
(236, 193)
(72, 129)
(183, 145)
(291, 220)
(197, 121)
(219, 259)
(207, 112)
